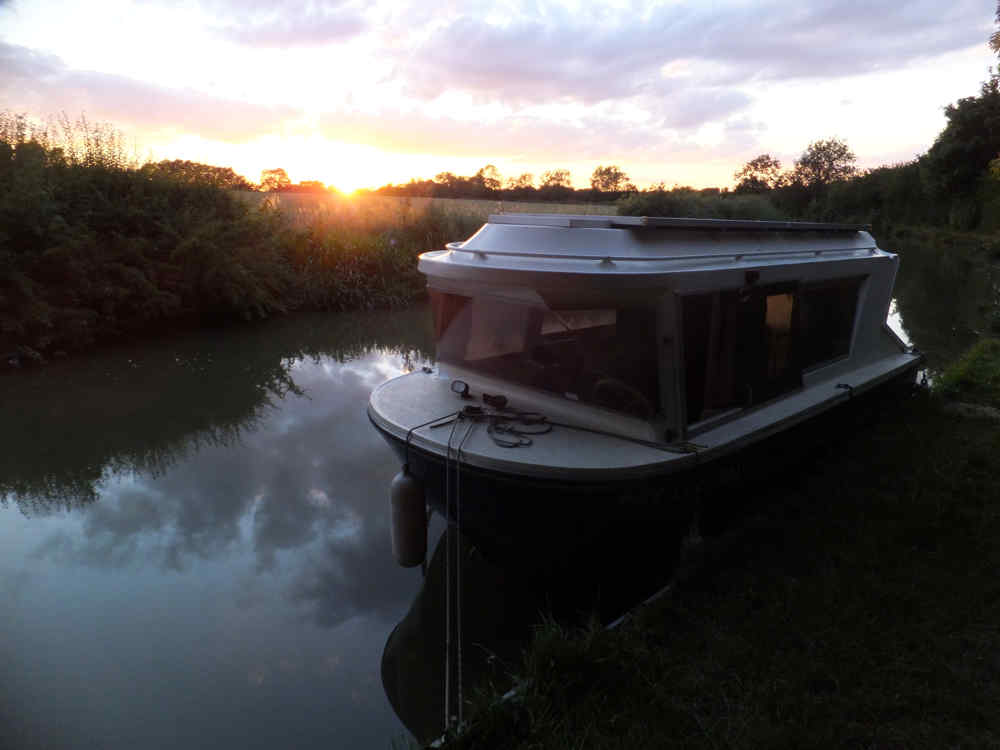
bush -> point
(975, 376)
(93, 249)
(690, 203)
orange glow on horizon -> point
(346, 168)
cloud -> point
(577, 56)
(298, 25)
(42, 83)
(527, 137)
(523, 80)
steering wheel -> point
(619, 395)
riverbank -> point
(95, 252)
(856, 606)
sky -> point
(360, 94)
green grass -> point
(975, 377)
(858, 606)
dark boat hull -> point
(508, 516)
(525, 518)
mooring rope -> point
(458, 566)
(523, 425)
(409, 433)
(447, 575)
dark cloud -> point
(39, 82)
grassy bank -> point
(975, 377)
(855, 606)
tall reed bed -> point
(80, 142)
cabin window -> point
(827, 319)
(601, 356)
(744, 347)
(738, 349)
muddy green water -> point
(194, 544)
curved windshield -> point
(602, 356)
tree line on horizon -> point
(607, 184)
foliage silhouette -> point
(759, 175)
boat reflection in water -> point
(474, 616)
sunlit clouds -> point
(360, 94)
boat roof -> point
(589, 221)
(618, 246)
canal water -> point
(194, 539)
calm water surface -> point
(194, 549)
(194, 545)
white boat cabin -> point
(665, 329)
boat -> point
(586, 364)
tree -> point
(525, 181)
(969, 142)
(308, 186)
(760, 174)
(489, 178)
(824, 162)
(274, 180)
(195, 173)
(556, 178)
(995, 36)
(608, 179)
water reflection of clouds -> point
(376, 368)
(304, 495)
(213, 564)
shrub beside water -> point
(700, 204)
(93, 249)
(975, 376)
